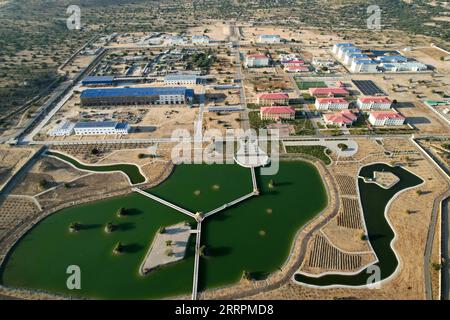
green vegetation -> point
(342, 146)
(302, 126)
(256, 122)
(305, 85)
(318, 152)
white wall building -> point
(101, 128)
(342, 51)
(65, 128)
(386, 118)
(337, 46)
(200, 39)
(180, 79)
(373, 103)
(174, 40)
(256, 60)
(404, 66)
(331, 104)
(269, 38)
(368, 66)
(349, 57)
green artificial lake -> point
(373, 200)
(131, 170)
(254, 236)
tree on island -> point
(202, 251)
(74, 227)
(169, 252)
(247, 275)
(168, 243)
(364, 237)
(121, 212)
(118, 248)
(162, 230)
(110, 227)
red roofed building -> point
(296, 68)
(386, 118)
(276, 113)
(276, 98)
(256, 60)
(293, 63)
(328, 92)
(374, 103)
(344, 118)
(331, 104)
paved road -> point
(198, 126)
(291, 138)
(445, 295)
(245, 124)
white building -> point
(65, 128)
(174, 40)
(269, 38)
(256, 60)
(368, 66)
(404, 66)
(180, 79)
(331, 104)
(322, 62)
(386, 118)
(337, 46)
(374, 103)
(350, 57)
(198, 39)
(101, 128)
(344, 50)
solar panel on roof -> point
(368, 87)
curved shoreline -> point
(62, 156)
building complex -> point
(137, 96)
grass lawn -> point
(305, 85)
(315, 151)
(303, 127)
(256, 122)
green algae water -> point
(130, 170)
(374, 200)
(254, 236)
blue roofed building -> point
(337, 46)
(411, 66)
(84, 128)
(389, 59)
(350, 57)
(137, 96)
(97, 80)
(347, 50)
(368, 66)
(269, 38)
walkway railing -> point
(196, 261)
(166, 203)
(199, 220)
